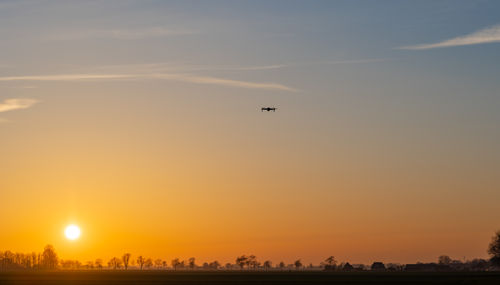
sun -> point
(72, 232)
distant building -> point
(378, 266)
(348, 267)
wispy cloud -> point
(165, 67)
(120, 34)
(235, 68)
(16, 104)
(189, 78)
(67, 77)
(488, 35)
(288, 65)
(182, 73)
(224, 82)
(355, 61)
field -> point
(242, 278)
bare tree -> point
(98, 263)
(114, 263)
(241, 261)
(252, 262)
(494, 249)
(158, 263)
(298, 264)
(34, 260)
(141, 261)
(148, 263)
(214, 265)
(192, 263)
(49, 258)
(282, 265)
(330, 263)
(444, 260)
(89, 265)
(175, 263)
(126, 259)
(267, 264)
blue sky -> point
(373, 97)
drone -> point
(268, 109)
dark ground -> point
(243, 278)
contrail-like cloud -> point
(223, 82)
(189, 78)
(67, 77)
(165, 67)
(16, 104)
(484, 36)
(354, 61)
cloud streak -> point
(66, 77)
(224, 82)
(484, 36)
(16, 104)
(186, 68)
(188, 78)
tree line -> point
(49, 260)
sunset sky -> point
(140, 122)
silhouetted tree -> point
(267, 264)
(148, 263)
(282, 265)
(478, 264)
(89, 265)
(330, 263)
(158, 263)
(141, 261)
(214, 265)
(34, 260)
(114, 263)
(175, 263)
(494, 249)
(241, 261)
(49, 258)
(298, 264)
(444, 260)
(70, 264)
(126, 259)
(252, 262)
(98, 263)
(192, 262)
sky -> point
(140, 122)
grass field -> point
(241, 278)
